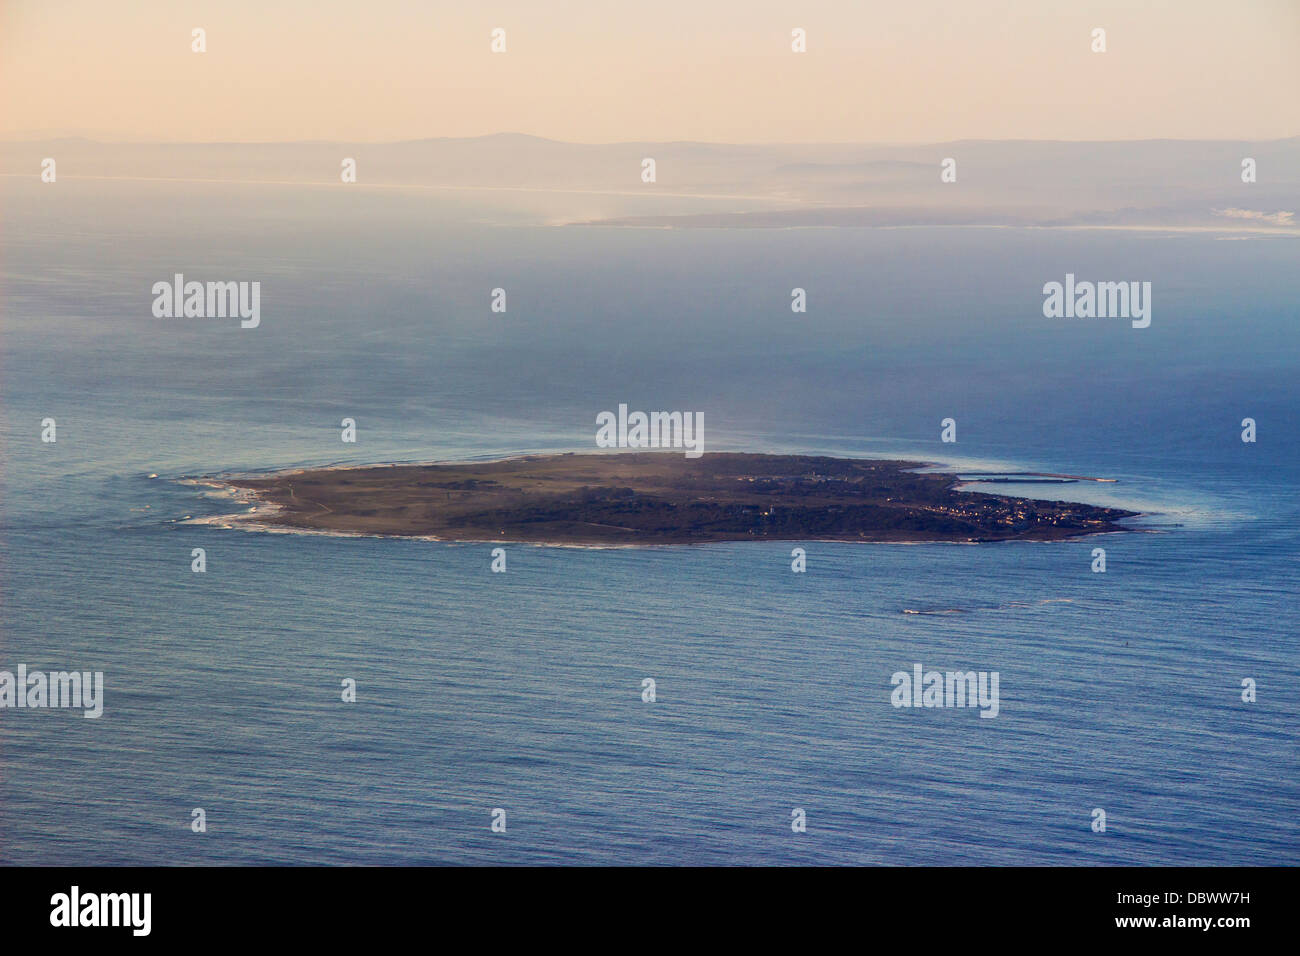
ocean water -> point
(1119, 691)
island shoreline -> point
(649, 499)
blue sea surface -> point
(522, 691)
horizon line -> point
(76, 137)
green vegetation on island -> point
(660, 498)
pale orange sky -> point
(652, 70)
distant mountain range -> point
(1157, 183)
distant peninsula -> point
(651, 498)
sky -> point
(598, 71)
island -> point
(656, 498)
